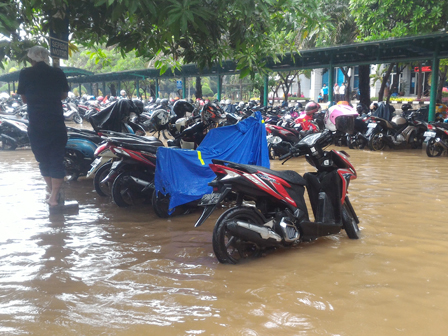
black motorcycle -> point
(269, 209)
(436, 139)
(13, 133)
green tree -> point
(174, 31)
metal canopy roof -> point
(69, 72)
(413, 48)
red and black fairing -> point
(133, 156)
(283, 133)
(280, 187)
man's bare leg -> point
(56, 185)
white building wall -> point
(315, 84)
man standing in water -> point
(43, 87)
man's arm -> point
(64, 95)
(23, 98)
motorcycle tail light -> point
(430, 127)
(100, 149)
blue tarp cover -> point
(184, 173)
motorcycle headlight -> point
(274, 139)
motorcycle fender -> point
(98, 165)
(209, 208)
(114, 171)
(7, 137)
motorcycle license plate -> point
(429, 134)
(94, 165)
(210, 199)
(371, 125)
(115, 165)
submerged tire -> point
(376, 142)
(230, 249)
(432, 149)
(161, 206)
(102, 189)
(77, 119)
(122, 192)
(349, 222)
(72, 163)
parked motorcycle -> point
(131, 175)
(270, 209)
(13, 133)
(436, 139)
(399, 130)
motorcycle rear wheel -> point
(433, 150)
(122, 193)
(230, 249)
(7, 145)
(72, 163)
(349, 222)
(376, 142)
(102, 189)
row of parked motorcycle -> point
(376, 128)
(266, 208)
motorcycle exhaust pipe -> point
(260, 235)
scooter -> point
(71, 113)
(269, 208)
(436, 139)
(13, 133)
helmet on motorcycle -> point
(181, 107)
(158, 101)
(241, 104)
(138, 106)
(159, 119)
(100, 98)
(341, 118)
(405, 107)
(361, 108)
(164, 102)
(373, 106)
(123, 93)
(211, 112)
(311, 108)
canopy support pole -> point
(219, 87)
(104, 89)
(330, 82)
(137, 85)
(184, 87)
(157, 87)
(265, 88)
(434, 84)
(79, 88)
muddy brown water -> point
(115, 271)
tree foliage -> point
(381, 19)
(176, 31)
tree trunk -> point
(347, 78)
(419, 81)
(198, 93)
(113, 90)
(394, 84)
(299, 88)
(442, 79)
(364, 84)
(384, 81)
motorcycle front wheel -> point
(77, 119)
(228, 248)
(102, 189)
(376, 142)
(349, 222)
(432, 149)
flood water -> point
(115, 271)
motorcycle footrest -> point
(312, 230)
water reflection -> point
(119, 271)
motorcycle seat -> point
(94, 138)
(441, 125)
(288, 175)
(148, 147)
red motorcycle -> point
(270, 209)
